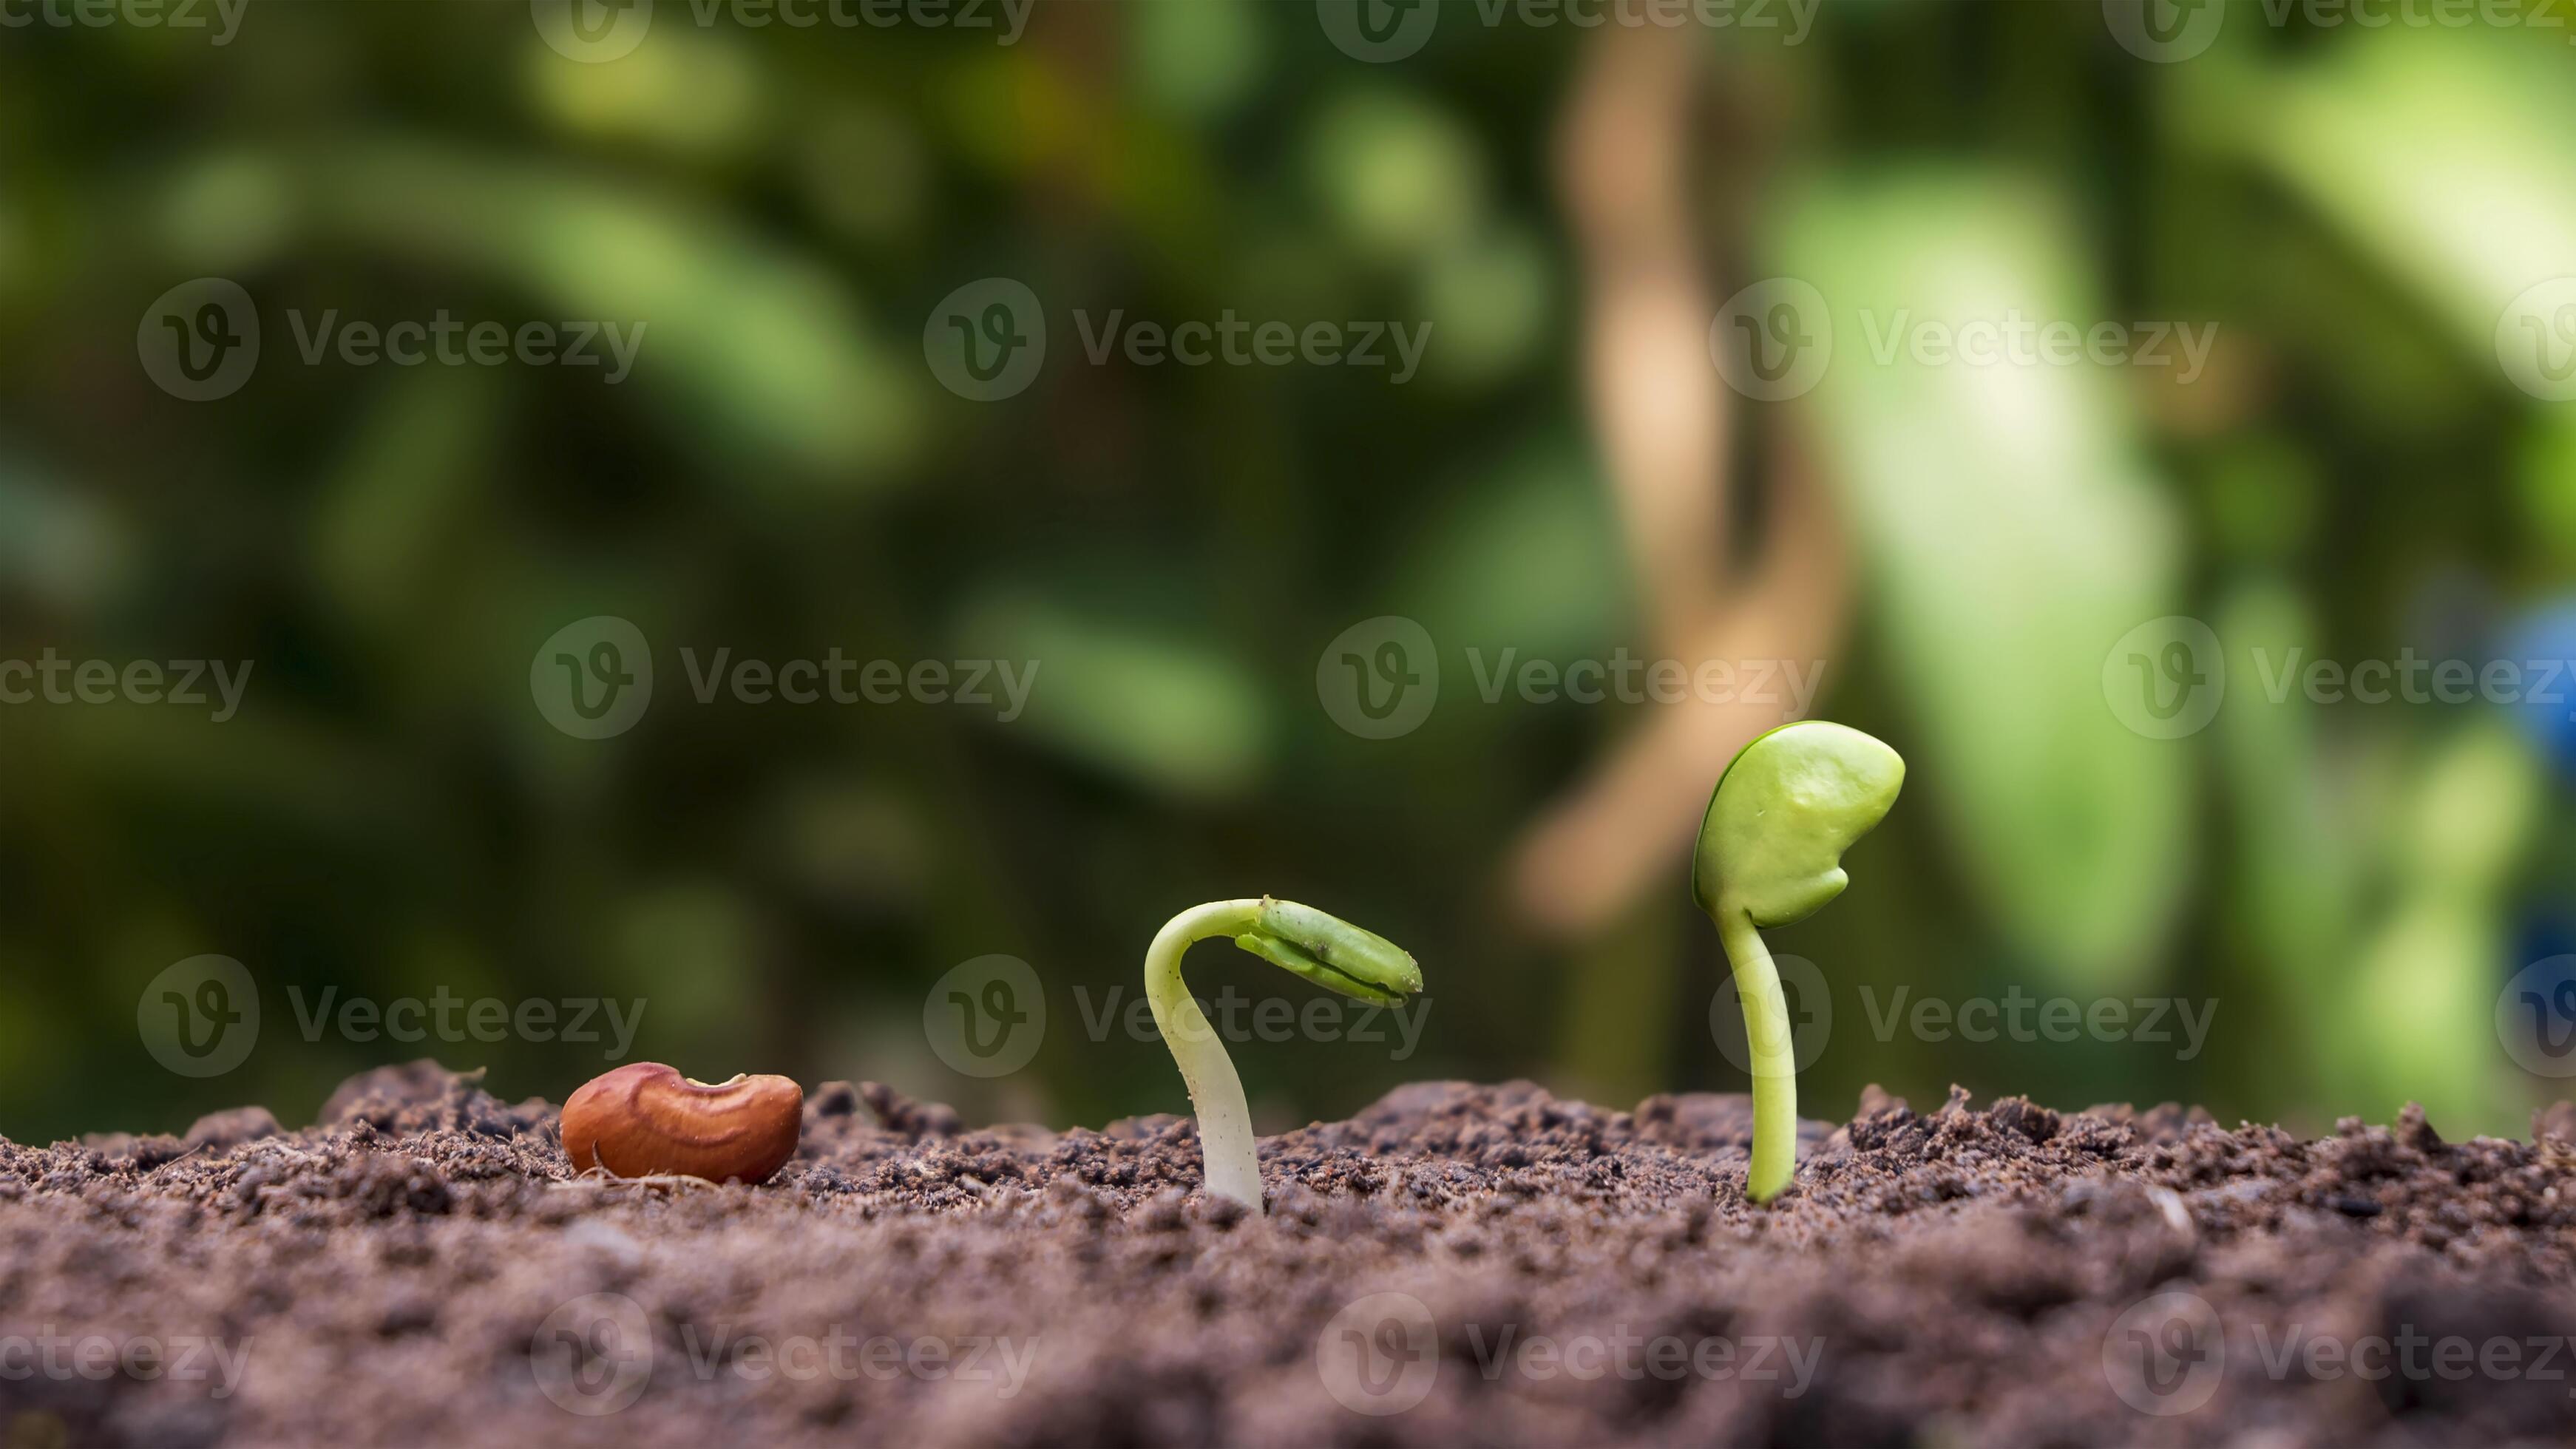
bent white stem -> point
(1232, 1165)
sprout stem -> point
(1775, 1066)
(1233, 1167)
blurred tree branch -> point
(1665, 426)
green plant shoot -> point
(1770, 852)
(1324, 949)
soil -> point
(420, 1267)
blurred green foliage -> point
(389, 815)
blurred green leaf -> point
(1523, 555)
(1198, 58)
(408, 491)
(2448, 155)
(2014, 533)
(766, 347)
(2416, 1021)
(1400, 177)
(59, 546)
(1137, 700)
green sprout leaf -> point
(1331, 952)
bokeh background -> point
(2354, 473)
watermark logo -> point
(454, 1019)
(2166, 1354)
(592, 31)
(186, 1358)
(223, 17)
(199, 341)
(1380, 677)
(55, 679)
(986, 340)
(593, 1355)
(1236, 341)
(1231, 1016)
(1380, 1355)
(2535, 1017)
(985, 1017)
(2535, 339)
(844, 1357)
(2164, 31)
(593, 678)
(1773, 340)
(2017, 339)
(1378, 31)
(2181, 1023)
(1811, 1018)
(2164, 679)
(200, 1018)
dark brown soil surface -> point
(419, 1268)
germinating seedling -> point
(1770, 852)
(1324, 949)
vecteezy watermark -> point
(595, 31)
(222, 17)
(1633, 679)
(201, 1017)
(200, 341)
(575, 1020)
(593, 678)
(52, 679)
(2168, 1354)
(2165, 1354)
(2014, 340)
(1379, 31)
(2408, 1354)
(987, 340)
(1234, 1017)
(2535, 338)
(998, 1361)
(2174, 1021)
(2165, 678)
(1775, 339)
(2166, 31)
(1381, 1355)
(1380, 678)
(186, 1358)
(1001, 685)
(2535, 1017)
(595, 1355)
(453, 343)
(2178, 1023)
(987, 1016)
(1235, 342)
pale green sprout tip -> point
(1324, 949)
